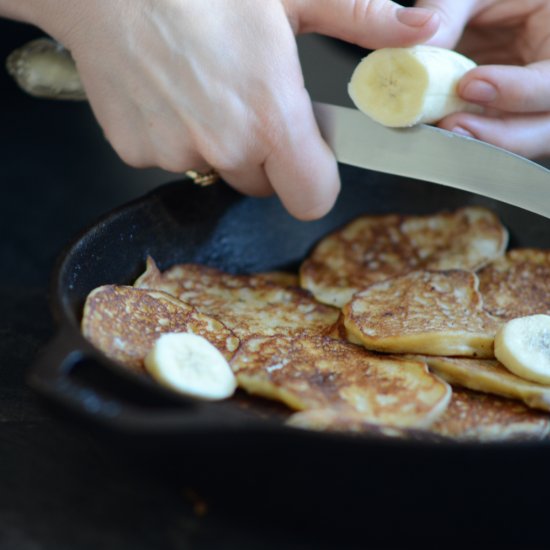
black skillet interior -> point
(180, 222)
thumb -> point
(453, 17)
(368, 23)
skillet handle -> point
(72, 374)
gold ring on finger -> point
(203, 178)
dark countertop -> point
(65, 486)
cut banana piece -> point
(522, 345)
(405, 86)
(44, 68)
(188, 363)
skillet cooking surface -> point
(180, 222)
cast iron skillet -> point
(180, 222)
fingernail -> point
(414, 17)
(479, 91)
(462, 131)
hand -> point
(510, 39)
(185, 84)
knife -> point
(43, 67)
(435, 155)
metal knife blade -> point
(431, 154)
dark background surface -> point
(66, 486)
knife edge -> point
(435, 155)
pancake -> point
(312, 373)
(489, 376)
(429, 312)
(340, 332)
(324, 420)
(374, 248)
(470, 416)
(473, 416)
(517, 285)
(247, 304)
(124, 322)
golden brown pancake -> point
(374, 248)
(489, 376)
(473, 416)
(334, 421)
(247, 304)
(429, 312)
(124, 322)
(311, 373)
(470, 416)
(518, 284)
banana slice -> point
(405, 86)
(522, 345)
(190, 364)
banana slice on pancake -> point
(488, 376)
(373, 248)
(517, 285)
(311, 373)
(190, 364)
(124, 322)
(429, 312)
(522, 345)
(259, 304)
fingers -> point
(527, 135)
(251, 180)
(518, 102)
(509, 88)
(453, 16)
(368, 23)
(301, 167)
